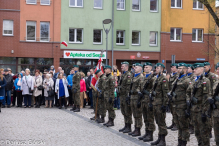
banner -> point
(84, 54)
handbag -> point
(51, 92)
(30, 91)
(40, 87)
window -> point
(197, 35)
(153, 5)
(45, 2)
(197, 5)
(136, 5)
(135, 38)
(31, 1)
(120, 37)
(98, 4)
(75, 3)
(31, 31)
(120, 4)
(176, 3)
(175, 34)
(97, 36)
(8, 27)
(153, 38)
(217, 3)
(75, 35)
(44, 31)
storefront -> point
(84, 59)
(19, 64)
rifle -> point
(193, 99)
(212, 101)
(129, 96)
(144, 91)
(153, 93)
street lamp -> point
(107, 21)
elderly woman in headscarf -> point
(48, 84)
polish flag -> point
(64, 43)
(95, 78)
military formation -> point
(191, 93)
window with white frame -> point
(31, 31)
(136, 5)
(98, 4)
(153, 38)
(44, 31)
(217, 3)
(97, 38)
(8, 27)
(75, 3)
(44, 2)
(135, 37)
(75, 35)
(197, 35)
(153, 5)
(176, 3)
(175, 34)
(120, 4)
(31, 1)
(197, 5)
(120, 37)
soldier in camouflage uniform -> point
(109, 87)
(76, 90)
(135, 91)
(148, 114)
(179, 102)
(160, 103)
(211, 76)
(124, 88)
(101, 102)
(200, 104)
(173, 77)
(191, 77)
(215, 113)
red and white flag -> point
(64, 43)
(95, 78)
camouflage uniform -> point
(215, 117)
(94, 95)
(171, 106)
(124, 89)
(136, 87)
(148, 115)
(109, 87)
(160, 100)
(76, 85)
(101, 103)
(179, 102)
(199, 109)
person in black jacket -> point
(8, 88)
(88, 85)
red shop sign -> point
(145, 57)
(132, 57)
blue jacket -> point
(15, 83)
(2, 84)
(69, 79)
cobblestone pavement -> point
(64, 128)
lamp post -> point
(107, 21)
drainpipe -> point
(112, 27)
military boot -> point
(157, 141)
(142, 137)
(171, 126)
(210, 135)
(93, 118)
(121, 130)
(183, 143)
(149, 136)
(106, 123)
(73, 108)
(179, 142)
(174, 128)
(101, 120)
(130, 133)
(97, 118)
(191, 129)
(77, 109)
(137, 132)
(162, 141)
(128, 128)
(111, 122)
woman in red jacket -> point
(82, 89)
